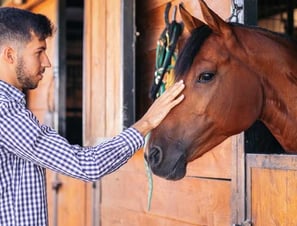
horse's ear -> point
(191, 23)
(216, 23)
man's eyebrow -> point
(41, 48)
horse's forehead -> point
(215, 44)
(213, 52)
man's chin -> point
(31, 86)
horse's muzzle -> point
(173, 167)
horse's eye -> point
(205, 77)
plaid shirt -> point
(27, 148)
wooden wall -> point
(102, 90)
(102, 70)
(271, 189)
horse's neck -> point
(280, 100)
(274, 59)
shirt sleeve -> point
(22, 135)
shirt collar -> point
(11, 92)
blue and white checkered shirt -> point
(27, 148)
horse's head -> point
(222, 96)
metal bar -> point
(290, 18)
(128, 59)
(62, 68)
(238, 208)
(250, 12)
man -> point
(27, 148)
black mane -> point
(190, 49)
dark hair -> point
(191, 49)
(18, 25)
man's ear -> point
(8, 54)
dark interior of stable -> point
(72, 22)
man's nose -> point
(45, 61)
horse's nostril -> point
(155, 156)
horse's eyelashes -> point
(205, 77)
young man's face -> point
(32, 61)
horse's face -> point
(220, 97)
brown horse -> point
(234, 75)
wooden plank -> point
(102, 82)
(291, 198)
(238, 179)
(102, 54)
(271, 189)
(72, 202)
(50, 178)
(95, 58)
(213, 163)
(91, 208)
(135, 218)
(113, 76)
(275, 161)
(273, 197)
(207, 201)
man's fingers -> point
(177, 100)
(173, 91)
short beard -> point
(24, 80)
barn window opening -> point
(74, 78)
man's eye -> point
(205, 77)
(39, 52)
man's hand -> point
(160, 108)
